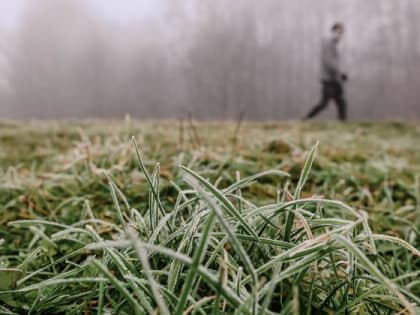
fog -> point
(213, 59)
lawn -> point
(129, 217)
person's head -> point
(337, 30)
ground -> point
(75, 172)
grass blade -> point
(227, 205)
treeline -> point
(214, 59)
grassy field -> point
(209, 218)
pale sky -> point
(123, 10)
(10, 11)
(118, 10)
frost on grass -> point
(209, 248)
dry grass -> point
(86, 229)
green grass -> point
(206, 219)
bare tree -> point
(221, 60)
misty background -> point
(212, 58)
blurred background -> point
(213, 59)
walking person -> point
(332, 78)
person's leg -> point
(342, 108)
(340, 101)
(325, 98)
